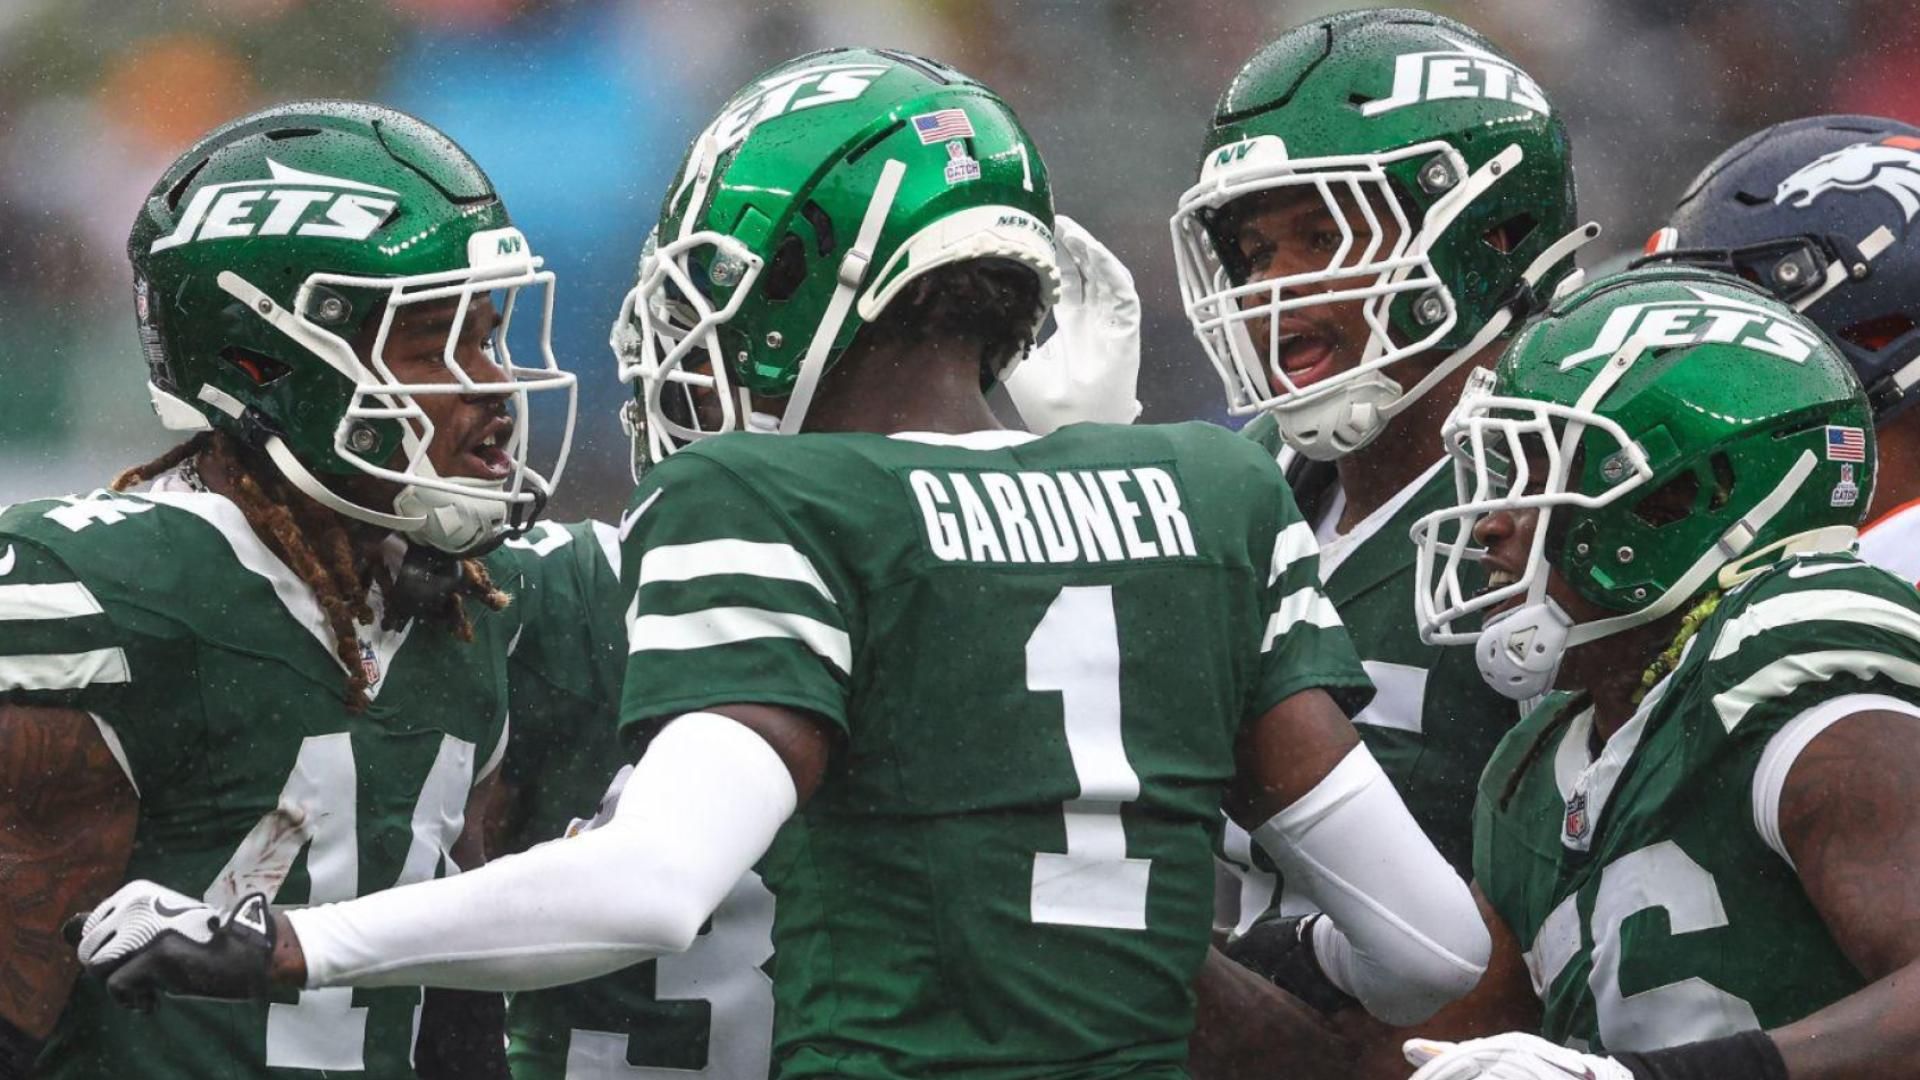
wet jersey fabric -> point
(1648, 884)
(1892, 541)
(211, 673)
(1433, 721)
(1035, 654)
(707, 1012)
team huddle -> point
(1527, 691)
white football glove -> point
(1512, 1056)
(1089, 370)
(146, 939)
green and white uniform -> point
(706, 1012)
(1649, 885)
(1035, 654)
(211, 673)
(1433, 720)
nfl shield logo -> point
(1577, 823)
(369, 664)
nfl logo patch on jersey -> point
(1577, 822)
(369, 664)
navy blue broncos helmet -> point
(1820, 211)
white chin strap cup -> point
(1519, 651)
(1336, 424)
(452, 523)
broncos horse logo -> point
(1891, 165)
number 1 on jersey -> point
(1075, 652)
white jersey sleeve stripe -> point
(1784, 748)
(1813, 605)
(1300, 606)
(1788, 674)
(709, 558)
(63, 671)
(726, 625)
(1294, 543)
(66, 600)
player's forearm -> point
(1405, 936)
(67, 820)
(701, 808)
(1873, 1032)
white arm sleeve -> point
(701, 808)
(1403, 934)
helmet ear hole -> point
(1876, 334)
(788, 269)
(822, 228)
(260, 370)
(1671, 502)
(1722, 482)
(1511, 233)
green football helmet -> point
(276, 240)
(1399, 109)
(1675, 429)
(821, 190)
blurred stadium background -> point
(580, 109)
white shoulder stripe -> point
(609, 540)
(1300, 606)
(726, 625)
(1812, 605)
(1788, 674)
(1785, 747)
(710, 558)
(66, 600)
(1294, 543)
(63, 671)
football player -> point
(1383, 197)
(1698, 861)
(710, 1009)
(1820, 212)
(975, 695)
(280, 669)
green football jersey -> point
(706, 1012)
(1649, 885)
(1433, 721)
(212, 674)
(1036, 653)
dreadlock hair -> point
(316, 545)
(1670, 657)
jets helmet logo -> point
(289, 201)
(1711, 318)
(1467, 72)
(1891, 165)
(791, 92)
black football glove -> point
(147, 940)
(1280, 950)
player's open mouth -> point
(487, 459)
(1306, 357)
